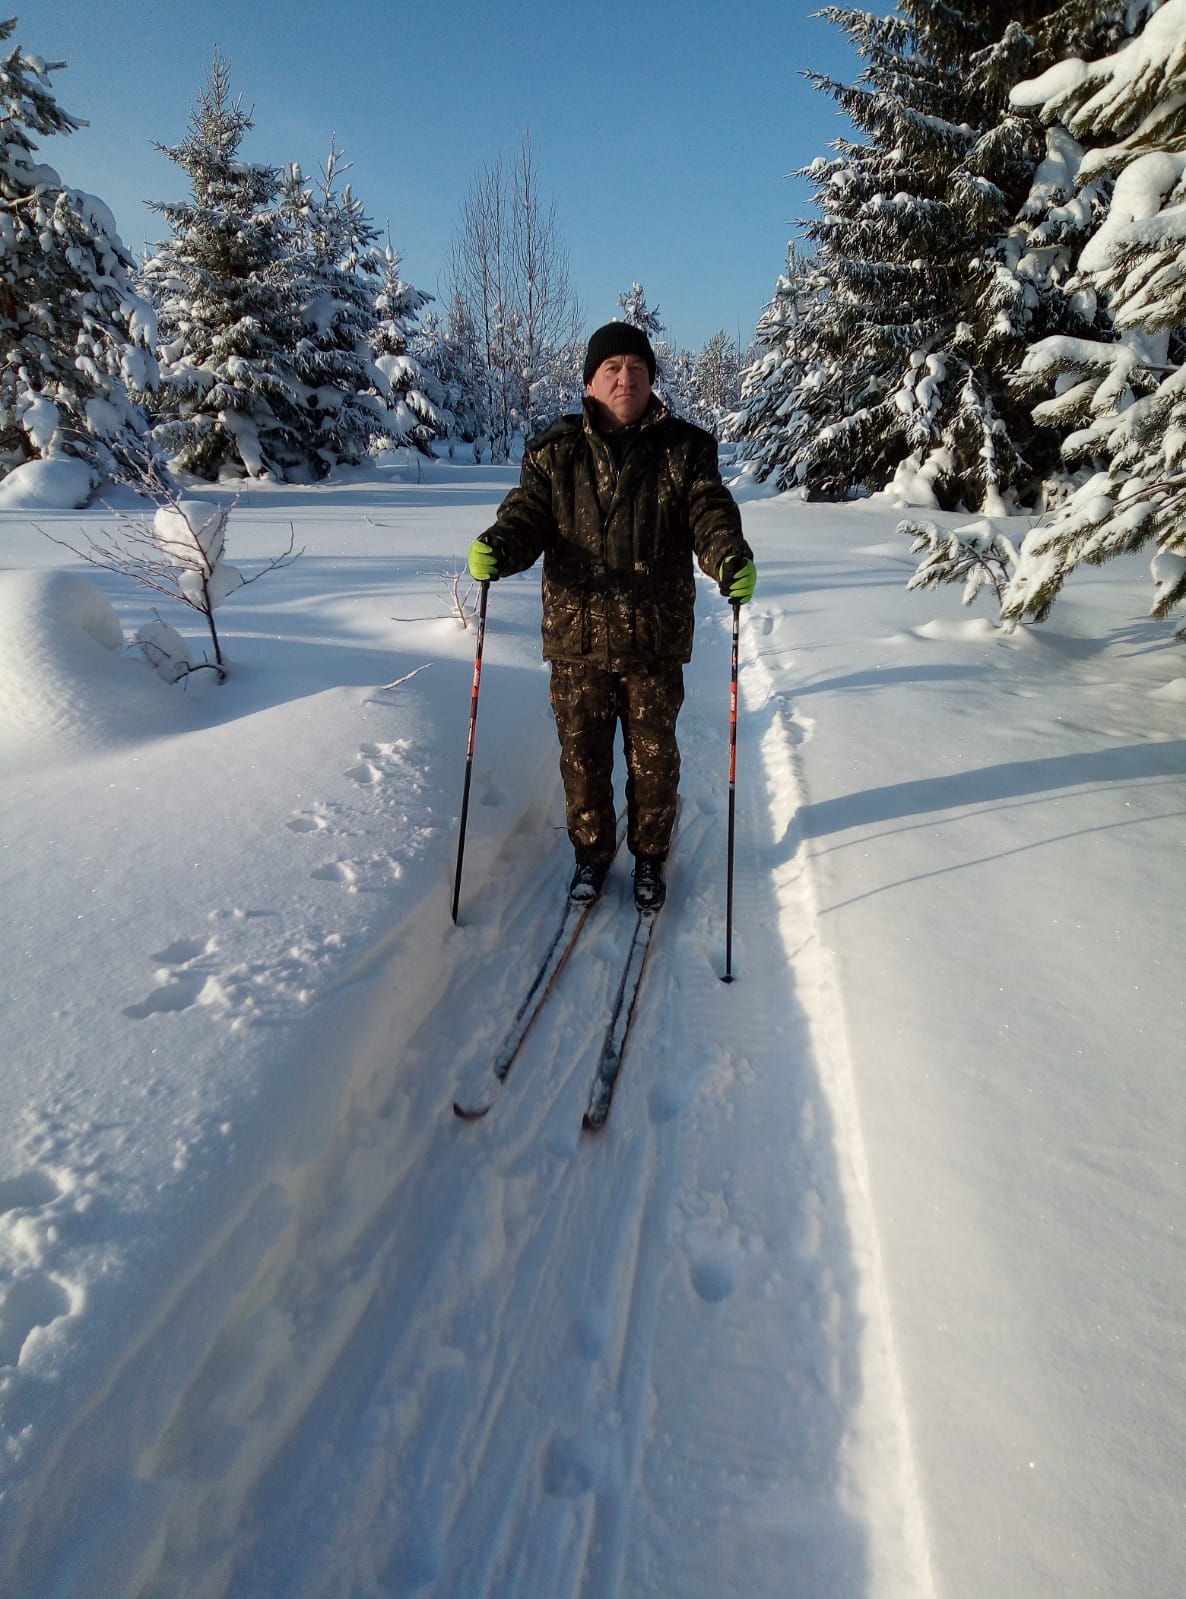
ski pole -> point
(728, 977)
(469, 756)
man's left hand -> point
(738, 578)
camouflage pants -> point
(588, 703)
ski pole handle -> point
(469, 754)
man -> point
(618, 501)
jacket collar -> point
(656, 411)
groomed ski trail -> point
(494, 1358)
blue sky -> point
(664, 131)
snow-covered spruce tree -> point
(558, 387)
(76, 341)
(221, 288)
(927, 294)
(718, 382)
(767, 421)
(633, 305)
(449, 351)
(1126, 401)
(337, 406)
(414, 399)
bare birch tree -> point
(508, 273)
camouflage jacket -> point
(618, 543)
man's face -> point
(622, 386)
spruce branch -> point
(977, 555)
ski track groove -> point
(508, 1456)
(631, 1378)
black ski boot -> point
(587, 882)
(649, 888)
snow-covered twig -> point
(459, 588)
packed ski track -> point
(814, 1314)
(517, 1397)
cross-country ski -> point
(559, 949)
(617, 1031)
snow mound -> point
(1175, 689)
(61, 485)
(62, 675)
(955, 632)
(745, 487)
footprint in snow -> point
(30, 1191)
(337, 872)
(569, 1467)
(373, 763)
(184, 968)
(591, 1333)
(714, 1274)
(307, 822)
(714, 1262)
(32, 1298)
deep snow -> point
(874, 1283)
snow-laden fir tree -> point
(76, 340)
(1124, 403)
(767, 423)
(718, 382)
(558, 386)
(337, 405)
(632, 303)
(414, 398)
(449, 351)
(221, 288)
(926, 294)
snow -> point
(63, 483)
(873, 1283)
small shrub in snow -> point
(458, 592)
(179, 551)
(978, 556)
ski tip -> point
(591, 1123)
(467, 1113)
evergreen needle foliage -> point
(890, 355)
(76, 339)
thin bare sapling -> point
(179, 551)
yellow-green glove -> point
(483, 561)
(738, 578)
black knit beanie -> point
(618, 338)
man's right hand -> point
(483, 561)
(738, 578)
